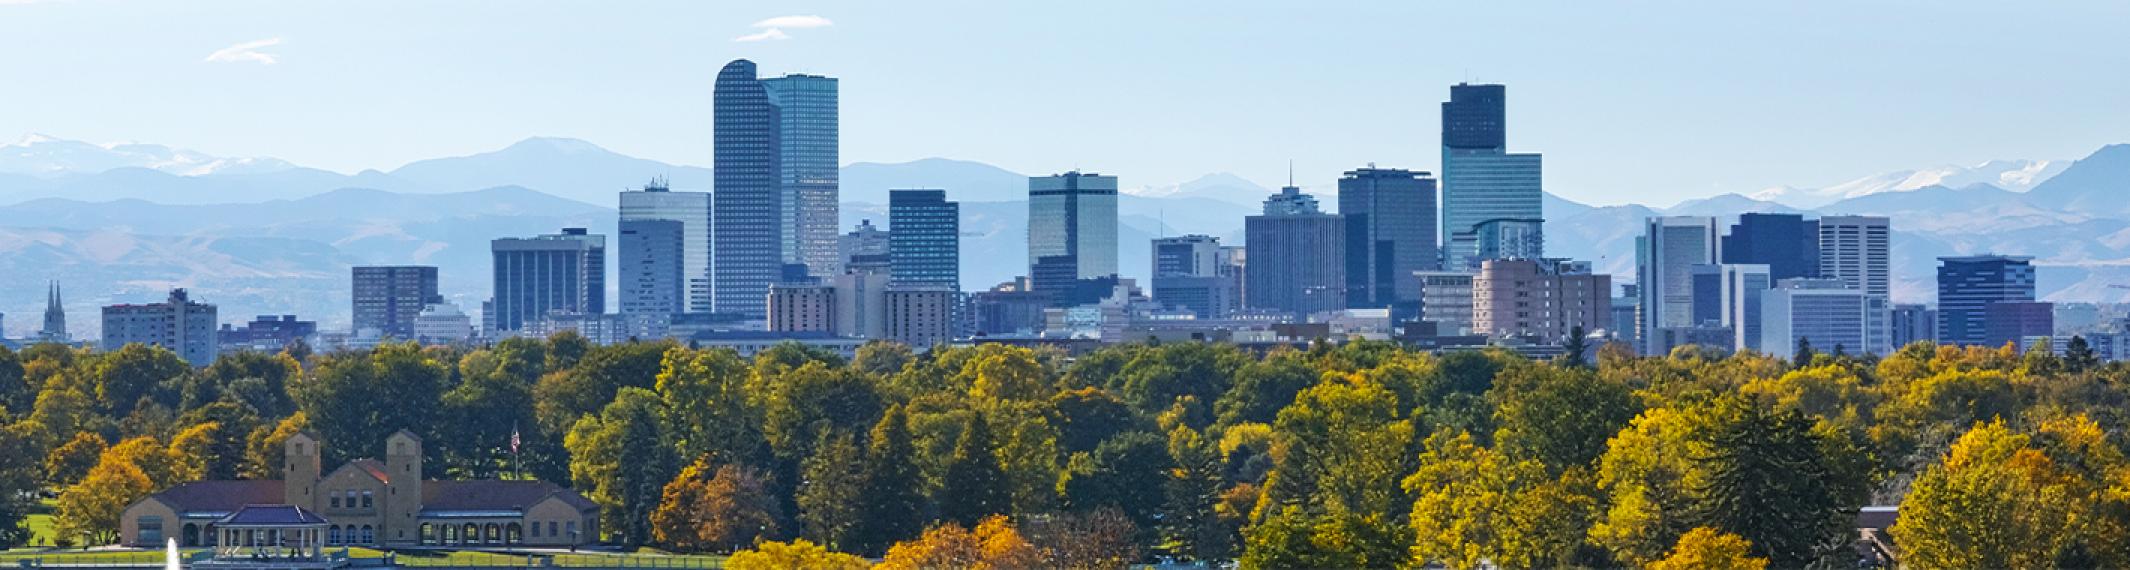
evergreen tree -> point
(1804, 354)
(1576, 346)
(975, 483)
(1769, 479)
(831, 487)
(2078, 355)
(893, 503)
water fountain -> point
(170, 556)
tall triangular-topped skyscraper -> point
(55, 317)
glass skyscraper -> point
(1665, 256)
(747, 205)
(687, 269)
(924, 239)
(807, 156)
(1072, 225)
(1390, 233)
(1481, 180)
(1787, 243)
(1968, 285)
(650, 267)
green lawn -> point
(40, 522)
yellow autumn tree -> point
(89, 510)
(1705, 548)
(798, 553)
(1996, 501)
(994, 545)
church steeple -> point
(55, 317)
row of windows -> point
(349, 502)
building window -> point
(551, 530)
(151, 530)
(536, 529)
(336, 500)
(366, 499)
(369, 535)
(332, 535)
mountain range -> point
(256, 235)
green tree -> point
(19, 476)
(815, 398)
(975, 484)
(484, 409)
(892, 503)
(1577, 348)
(1768, 477)
(708, 410)
(1087, 416)
(359, 397)
(16, 393)
(883, 358)
(1474, 506)
(581, 382)
(831, 486)
(1263, 387)
(1191, 518)
(1559, 416)
(1120, 474)
(133, 372)
(2078, 356)
(624, 461)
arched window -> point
(470, 534)
(192, 534)
(513, 533)
(332, 536)
(495, 533)
(369, 536)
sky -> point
(1647, 102)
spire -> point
(55, 317)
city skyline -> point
(1660, 99)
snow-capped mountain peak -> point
(2013, 175)
(44, 155)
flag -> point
(513, 438)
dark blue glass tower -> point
(1390, 233)
(1787, 243)
(748, 237)
(924, 239)
(1967, 286)
(1475, 118)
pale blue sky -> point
(1646, 102)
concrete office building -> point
(802, 308)
(1828, 314)
(1856, 251)
(924, 239)
(1446, 299)
(1728, 295)
(1196, 274)
(748, 207)
(920, 317)
(1072, 229)
(649, 267)
(1481, 180)
(1297, 257)
(563, 272)
(1390, 233)
(387, 298)
(1546, 300)
(1967, 285)
(179, 324)
(808, 176)
(1787, 243)
(443, 323)
(1665, 255)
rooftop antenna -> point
(1290, 172)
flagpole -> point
(517, 466)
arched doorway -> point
(471, 534)
(513, 533)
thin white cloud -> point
(795, 22)
(764, 35)
(246, 52)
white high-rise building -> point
(1827, 314)
(1665, 256)
(1856, 251)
